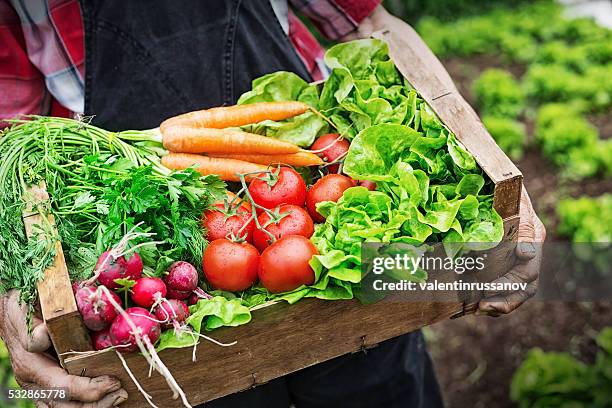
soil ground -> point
(476, 356)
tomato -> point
(370, 185)
(219, 225)
(327, 188)
(282, 186)
(296, 222)
(333, 148)
(284, 265)
(229, 265)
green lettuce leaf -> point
(218, 312)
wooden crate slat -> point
(57, 303)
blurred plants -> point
(586, 219)
(498, 94)
(567, 75)
(549, 379)
(444, 10)
(509, 134)
(571, 142)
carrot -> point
(227, 169)
(298, 159)
(237, 115)
(180, 139)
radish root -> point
(145, 394)
(148, 351)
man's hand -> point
(36, 370)
(376, 21)
(531, 235)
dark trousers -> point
(396, 373)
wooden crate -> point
(317, 330)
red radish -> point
(178, 294)
(285, 265)
(122, 333)
(95, 307)
(196, 295)
(76, 285)
(370, 185)
(327, 188)
(110, 268)
(173, 312)
(147, 291)
(134, 266)
(193, 299)
(331, 147)
(101, 339)
(182, 276)
(295, 221)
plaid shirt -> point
(42, 54)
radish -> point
(178, 294)
(97, 311)
(196, 295)
(182, 276)
(76, 285)
(173, 313)
(112, 264)
(134, 266)
(122, 334)
(147, 291)
(101, 339)
(108, 268)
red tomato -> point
(284, 265)
(297, 222)
(218, 225)
(327, 188)
(283, 186)
(333, 147)
(370, 185)
(229, 265)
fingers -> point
(39, 340)
(525, 248)
(525, 272)
(46, 373)
(90, 389)
(498, 305)
(36, 341)
(112, 399)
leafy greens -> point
(429, 187)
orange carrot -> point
(181, 139)
(298, 159)
(237, 115)
(227, 169)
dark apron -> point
(149, 60)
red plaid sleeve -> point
(336, 18)
(22, 86)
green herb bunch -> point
(101, 184)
